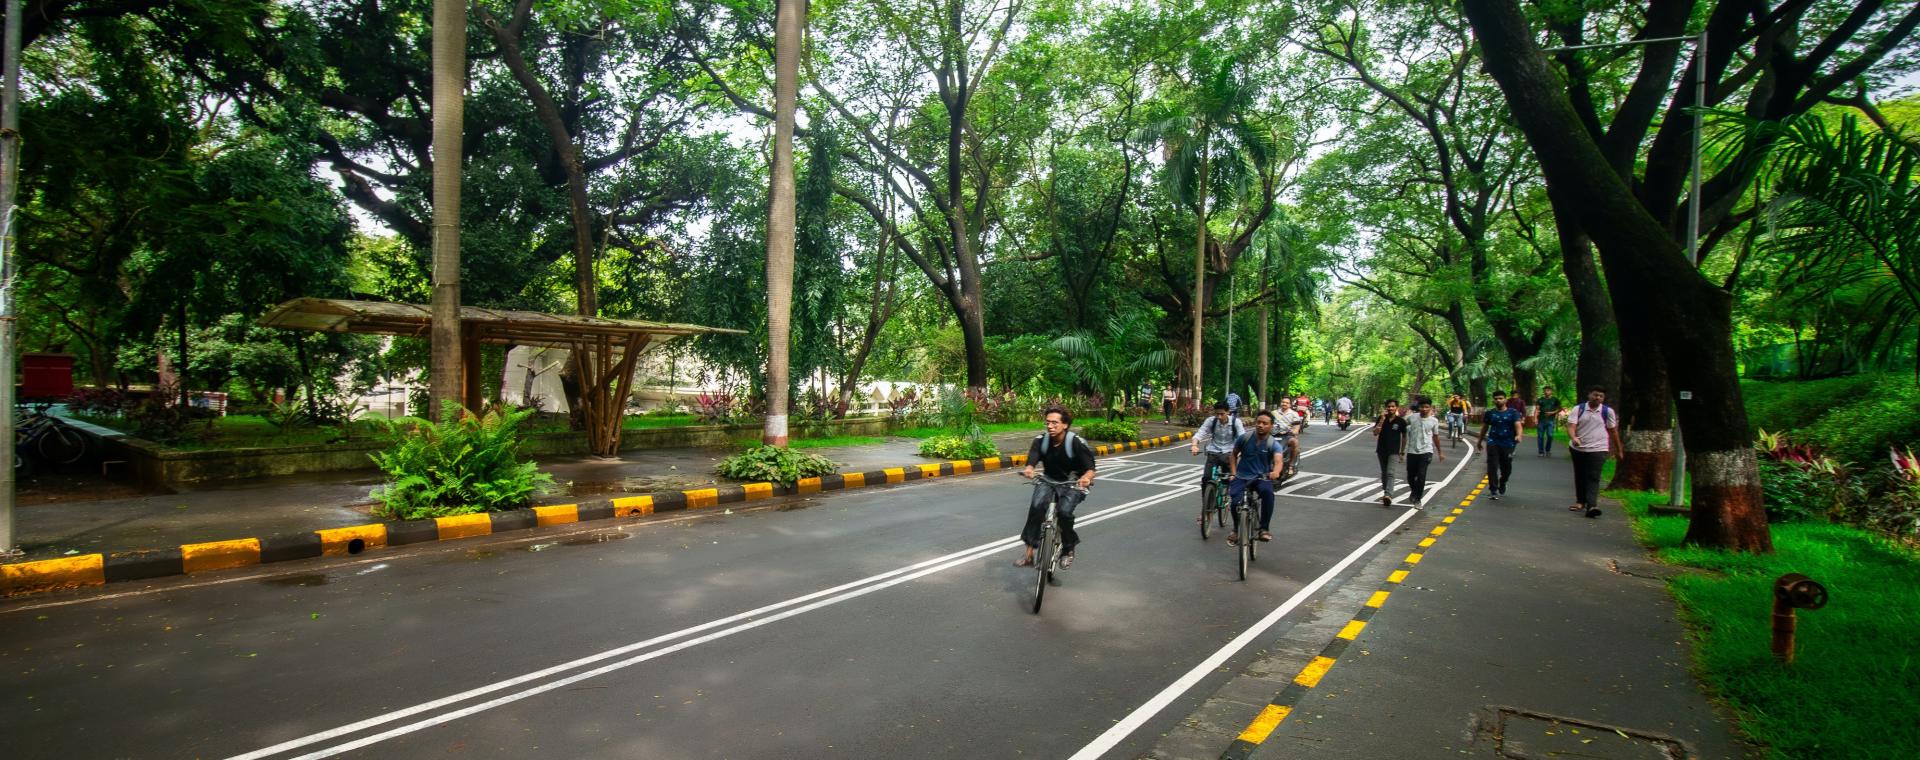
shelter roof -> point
(526, 328)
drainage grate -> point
(1526, 735)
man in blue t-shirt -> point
(1500, 432)
(1256, 462)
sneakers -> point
(1066, 560)
(1386, 501)
(1593, 511)
(1496, 495)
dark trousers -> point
(1264, 488)
(1222, 461)
(1499, 467)
(1417, 475)
(1062, 514)
(1166, 410)
(1586, 477)
(1386, 472)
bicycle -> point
(1046, 557)
(1456, 427)
(1247, 517)
(1213, 499)
(55, 441)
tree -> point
(789, 20)
(449, 100)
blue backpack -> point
(1046, 442)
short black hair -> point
(1221, 406)
(1066, 417)
(1597, 388)
(1392, 402)
(1265, 413)
(1501, 394)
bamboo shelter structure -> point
(603, 350)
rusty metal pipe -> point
(1792, 591)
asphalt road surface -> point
(884, 622)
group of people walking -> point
(1413, 439)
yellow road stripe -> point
(463, 526)
(962, 466)
(758, 491)
(702, 497)
(1397, 576)
(49, 574)
(1378, 598)
(896, 474)
(558, 514)
(1448, 519)
(1263, 726)
(334, 541)
(630, 506)
(1352, 631)
(991, 463)
(808, 485)
(1414, 558)
(1426, 542)
(1459, 511)
(219, 555)
(1439, 530)
(930, 470)
(854, 479)
(1314, 671)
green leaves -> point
(461, 465)
(776, 464)
(958, 447)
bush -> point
(958, 447)
(461, 465)
(1863, 430)
(1791, 405)
(776, 464)
(106, 402)
(1103, 430)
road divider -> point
(39, 576)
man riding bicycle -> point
(1218, 434)
(1064, 458)
(1256, 463)
(1458, 409)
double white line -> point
(686, 638)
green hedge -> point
(1103, 430)
(958, 447)
(1853, 419)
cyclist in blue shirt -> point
(1256, 462)
(1500, 432)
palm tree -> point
(447, 381)
(1213, 135)
(789, 18)
(1120, 360)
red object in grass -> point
(46, 376)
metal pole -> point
(9, 185)
(1676, 486)
(1226, 373)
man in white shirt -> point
(1423, 445)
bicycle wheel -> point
(1219, 506)
(1206, 507)
(1240, 555)
(62, 445)
(1042, 556)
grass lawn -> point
(236, 431)
(989, 428)
(1853, 690)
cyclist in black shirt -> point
(1064, 458)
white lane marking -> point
(1140, 715)
(1132, 722)
(1349, 488)
(1300, 484)
(815, 600)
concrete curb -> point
(21, 578)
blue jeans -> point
(1543, 434)
(1237, 490)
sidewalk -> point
(1522, 617)
(310, 502)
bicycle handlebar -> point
(1037, 478)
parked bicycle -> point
(48, 437)
(1046, 558)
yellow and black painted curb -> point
(1309, 676)
(20, 578)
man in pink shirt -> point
(1593, 431)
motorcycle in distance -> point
(1343, 419)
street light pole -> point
(1676, 484)
(9, 185)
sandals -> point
(1023, 562)
(1266, 535)
(1577, 508)
(1233, 539)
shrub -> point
(713, 408)
(461, 465)
(1193, 414)
(776, 464)
(958, 447)
(1791, 405)
(1801, 483)
(107, 402)
(1862, 431)
(1102, 430)
(161, 419)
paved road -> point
(886, 622)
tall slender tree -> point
(789, 19)
(449, 105)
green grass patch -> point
(240, 431)
(1854, 688)
(835, 440)
(989, 428)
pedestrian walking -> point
(1423, 446)
(1593, 432)
(1546, 418)
(1500, 428)
(1390, 432)
(1233, 403)
(1166, 404)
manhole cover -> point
(1525, 735)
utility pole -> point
(9, 186)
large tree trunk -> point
(1264, 364)
(1645, 406)
(1599, 337)
(1694, 317)
(1199, 283)
(446, 383)
(788, 18)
